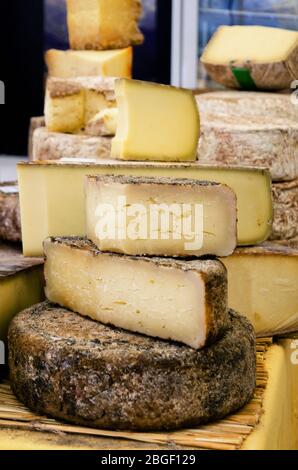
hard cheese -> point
(263, 285)
(103, 124)
(253, 128)
(21, 284)
(178, 300)
(285, 197)
(104, 24)
(71, 103)
(234, 58)
(56, 146)
(161, 216)
(72, 64)
(10, 219)
(52, 196)
(155, 122)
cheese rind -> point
(266, 276)
(272, 66)
(104, 24)
(35, 123)
(249, 128)
(71, 103)
(10, 218)
(52, 196)
(57, 146)
(177, 300)
(161, 216)
(72, 64)
(155, 122)
(285, 197)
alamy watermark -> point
(2, 92)
(294, 94)
(125, 221)
(2, 353)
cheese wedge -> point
(58, 146)
(161, 216)
(72, 64)
(252, 57)
(285, 197)
(250, 128)
(103, 124)
(104, 24)
(21, 284)
(71, 103)
(52, 195)
(155, 122)
(263, 282)
(177, 300)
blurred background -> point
(176, 32)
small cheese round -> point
(78, 370)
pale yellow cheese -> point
(52, 196)
(103, 24)
(263, 285)
(155, 122)
(103, 123)
(72, 64)
(65, 113)
(276, 428)
(268, 54)
(184, 301)
(160, 216)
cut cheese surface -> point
(155, 122)
(177, 300)
(71, 103)
(21, 284)
(104, 24)
(250, 128)
(263, 284)
(48, 145)
(72, 64)
(53, 204)
(236, 47)
(103, 123)
(161, 216)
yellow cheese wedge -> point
(247, 56)
(72, 64)
(52, 196)
(263, 285)
(155, 122)
(103, 24)
(21, 284)
(160, 216)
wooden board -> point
(227, 434)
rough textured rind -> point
(213, 272)
(84, 372)
(283, 248)
(10, 218)
(285, 200)
(35, 123)
(56, 146)
(61, 87)
(271, 76)
(13, 262)
(249, 128)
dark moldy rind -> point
(81, 371)
(10, 218)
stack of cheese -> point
(79, 96)
(175, 354)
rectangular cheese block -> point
(71, 103)
(250, 128)
(285, 197)
(72, 64)
(52, 196)
(160, 216)
(21, 284)
(177, 300)
(10, 219)
(155, 122)
(58, 146)
(104, 24)
(263, 286)
(234, 58)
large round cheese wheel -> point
(81, 371)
